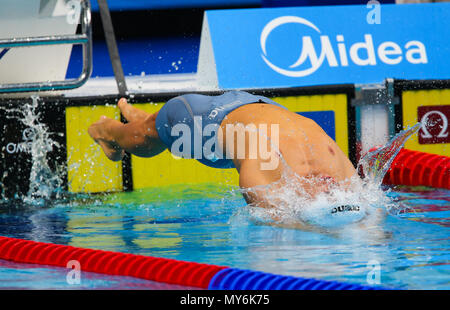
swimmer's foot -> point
(99, 132)
(113, 152)
(131, 113)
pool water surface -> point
(205, 224)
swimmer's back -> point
(304, 145)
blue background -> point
(324, 119)
(148, 55)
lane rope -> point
(163, 270)
(414, 168)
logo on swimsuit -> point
(345, 208)
(216, 111)
(308, 62)
(435, 127)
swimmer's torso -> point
(304, 145)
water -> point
(17, 276)
(44, 182)
(413, 248)
(212, 224)
(376, 163)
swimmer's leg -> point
(131, 113)
(99, 131)
(138, 137)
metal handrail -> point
(85, 39)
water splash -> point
(375, 164)
(356, 201)
(44, 183)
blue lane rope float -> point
(241, 279)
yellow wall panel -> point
(89, 170)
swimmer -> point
(302, 144)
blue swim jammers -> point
(201, 116)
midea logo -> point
(388, 52)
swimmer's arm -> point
(138, 137)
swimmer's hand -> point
(100, 132)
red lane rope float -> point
(416, 168)
(146, 267)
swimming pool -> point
(203, 223)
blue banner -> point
(288, 47)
